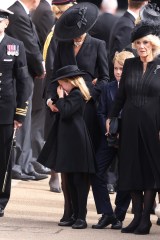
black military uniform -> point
(14, 93)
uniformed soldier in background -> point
(14, 93)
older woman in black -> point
(139, 96)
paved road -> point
(33, 213)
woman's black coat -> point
(91, 58)
(139, 96)
(68, 147)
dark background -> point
(122, 4)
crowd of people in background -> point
(79, 93)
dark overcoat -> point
(68, 147)
(21, 27)
(103, 26)
(43, 18)
(120, 37)
(139, 96)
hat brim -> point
(69, 75)
(64, 32)
(6, 11)
(146, 15)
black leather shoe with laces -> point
(104, 221)
(79, 224)
(117, 225)
(67, 222)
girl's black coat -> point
(68, 147)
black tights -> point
(75, 190)
(142, 204)
(68, 209)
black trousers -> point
(104, 158)
(6, 132)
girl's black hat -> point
(67, 72)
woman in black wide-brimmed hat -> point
(138, 96)
(76, 46)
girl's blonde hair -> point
(120, 57)
(80, 83)
(63, 7)
(155, 41)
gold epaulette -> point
(46, 44)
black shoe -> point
(22, 176)
(39, 168)
(143, 229)
(131, 227)
(104, 221)
(1, 212)
(38, 176)
(79, 224)
(158, 222)
(117, 225)
(111, 188)
(66, 222)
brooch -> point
(157, 67)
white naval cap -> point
(4, 13)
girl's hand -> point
(52, 106)
(60, 92)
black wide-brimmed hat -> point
(68, 71)
(76, 21)
(150, 12)
(145, 28)
(62, 2)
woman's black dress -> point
(139, 96)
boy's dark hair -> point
(135, 4)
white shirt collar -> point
(23, 5)
(1, 37)
(49, 1)
(132, 13)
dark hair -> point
(135, 4)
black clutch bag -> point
(112, 138)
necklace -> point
(78, 44)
